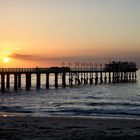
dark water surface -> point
(106, 100)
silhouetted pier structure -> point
(114, 72)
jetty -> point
(113, 72)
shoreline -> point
(70, 128)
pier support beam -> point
(19, 80)
(81, 77)
(129, 77)
(96, 78)
(101, 78)
(105, 78)
(125, 77)
(70, 79)
(38, 80)
(121, 77)
(135, 76)
(91, 79)
(28, 81)
(109, 77)
(56, 80)
(8, 81)
(85, 79)
(2, 82)
(47, 80)
(15, 82)
(113, 77)
(117, 77)
(64, 80)
(76, 79)
(132, 77)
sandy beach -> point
(68, 128)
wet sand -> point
(68, 128)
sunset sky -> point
(47, 32)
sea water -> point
(104, 100)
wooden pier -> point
(115, 72)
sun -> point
(5, 59)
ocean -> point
(101, 100)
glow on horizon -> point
(47, 30)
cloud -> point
(22, 56)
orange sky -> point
(46, 33)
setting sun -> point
(5, 59)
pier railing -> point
(42, 70)
(87, 69)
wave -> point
(113, 104)
(14, 109)
(91, 112)
(72, 111)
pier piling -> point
(28, 82)
(8, 81)
(19, 80)
(15, 82)
(47, 80)
(64, 80)
(38, 80)
(2, 82)
(56, 80)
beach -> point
(70, 70)
(68, 128)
